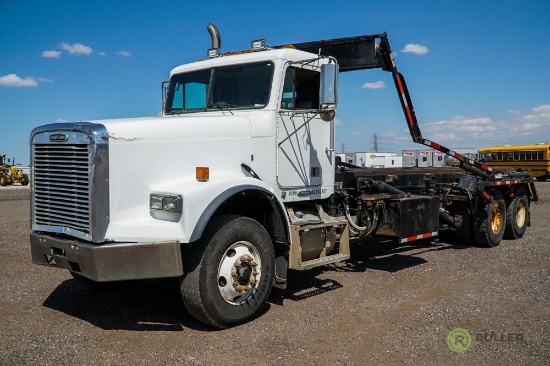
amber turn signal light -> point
(203, 173)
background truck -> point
(246, 183)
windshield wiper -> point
(175, 111)
(222, 106)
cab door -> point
(302, 137)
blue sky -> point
(478, 71)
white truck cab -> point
(242, 136)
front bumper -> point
(108, 261)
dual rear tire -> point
(499, 219)
(490, 221)
(517, 215)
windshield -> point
(236, 87)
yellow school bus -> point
(534, 158)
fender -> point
(200, 201)
(229, 187)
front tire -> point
(229, 272)
(490, 221)
(25, 180)
(517, 215)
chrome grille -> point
(70, 180)
(62, 185)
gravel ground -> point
(387, 305)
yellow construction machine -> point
(10, 174)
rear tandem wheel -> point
(517, 215)
(490, 221)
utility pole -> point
(375, 143)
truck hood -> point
(176, 128)
(160, 155)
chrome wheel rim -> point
(239, 272)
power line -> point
(375, 142)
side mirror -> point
(329, 85)
(329, 91)
(164, 87)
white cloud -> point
(124, 53)
(43, 80)
(51, 54)
(338, 122)
(518, 127)
(544, 110)
(512, 127)
(416, 49)
(14, 81)
(76, 49)
(376, 85)
(102, 54)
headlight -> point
(155, 202)
(172, 204)
(165, 206)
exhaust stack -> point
(215, 36)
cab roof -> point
(248, 56)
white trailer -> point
(425, 158)
(393, 161)
(410, 158)
(438, 158)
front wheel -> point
(489, 221)
(229, 272)
(517, 215)
(25, 180)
